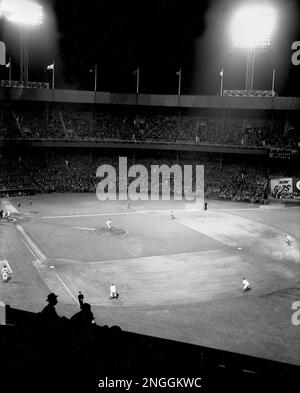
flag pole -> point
(138, 80)
(53, 76)
(96, 76)
(179, 81)
(222, 80)
(9, 72)
(273, 82)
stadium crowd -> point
(77, 173)
(156, 126)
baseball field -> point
(177, 278)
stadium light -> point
(22, 12)
(252, 26)
(26, 14)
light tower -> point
(27, 14)
(24, 54)
(252, 28)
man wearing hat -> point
(49, 313)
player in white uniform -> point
(113, 292)
(288, 240)
(7, 216)
(4, 272)
(172, 215)
(108, 224)
(246, 285)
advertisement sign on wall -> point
(281, 188)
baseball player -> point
(288, 240)
(113, 292)
(7, 216)
(4, 272)
(246, 285)
(172, 215)
(80, 299)
(108, 224)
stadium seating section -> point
(76, 173)
(71, 172)
(43, 121)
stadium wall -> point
(60, 143)
(199, 101)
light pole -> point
(26, 14)
(252, 27)
(24, 34)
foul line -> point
(67, 289)
(32, 252)
(33, 246)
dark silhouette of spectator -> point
(49, 314)
(84, 318)
(80, 299)
(52, 338)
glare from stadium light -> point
(22, 12)
(252, 26)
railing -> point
(13, 191)
(130, 141)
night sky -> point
(159, 36)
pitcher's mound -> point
(114, 231)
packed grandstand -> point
(152, 125)
(68, 170)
